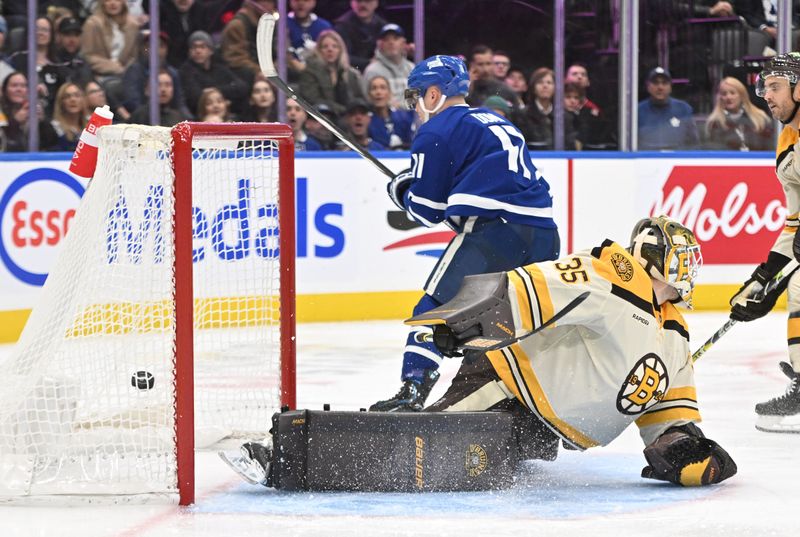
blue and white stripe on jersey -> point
(472, 162)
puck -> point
(143, 380)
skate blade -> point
(779, 424)
(246, 468)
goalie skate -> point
(252, 461)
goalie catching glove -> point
(684, 456)
(751, 302)
(398, 187)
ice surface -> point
(597, 493)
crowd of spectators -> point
(352, 68)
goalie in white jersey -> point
(612, 357)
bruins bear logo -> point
(646, 385)
(476, 460)
(622, 266)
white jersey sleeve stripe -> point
(491, 204)
(423, 221)
(419, 200)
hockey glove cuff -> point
(682, 457)
(398, 187)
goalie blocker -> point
(392, 452)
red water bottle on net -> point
(84, 159)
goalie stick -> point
(266, 27)
(785, 272)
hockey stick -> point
(785, 272)
(266, 27)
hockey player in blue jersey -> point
(470, 169)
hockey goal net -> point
(168, 318)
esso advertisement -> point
(37, 208)
(736, 212)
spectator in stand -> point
(357, 118)
(304, 29)
(665, 123)
(5, 67)
(50, 73)
(390, 62)
(594, 126)
(761, 16)
(318, 131)
(239, 39)
(538, 127)
(389, 126)
(262, 106)
(501, 64)
(360, 28)
(68, 117)
(483, 82)
(575, 127)
(68, 50)
(110, 40)
(137, 75)
(736, 123)
(296, 118)
(16, 109)
(328, 77)
(212, 107)
(578, 74)
(170, 115)
(94, 96)
(181, 18)
(498, 105)
(518, 82)
(202, 70)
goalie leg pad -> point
(682, 455)
(393, 452)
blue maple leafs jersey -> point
(472, 162)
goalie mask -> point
(669, 252)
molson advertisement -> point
(359, 257)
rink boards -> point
(358, 257)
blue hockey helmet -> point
(449, 73)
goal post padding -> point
(178, 268)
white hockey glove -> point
(398, 187)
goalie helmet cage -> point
(167, 320)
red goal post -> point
(183, 138)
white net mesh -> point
(88, 400)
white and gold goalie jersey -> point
(616, 358)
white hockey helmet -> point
(669, 252)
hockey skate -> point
(252, 461)
(782, 414)
(411, 397)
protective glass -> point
(411, 96)
(776, 82)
